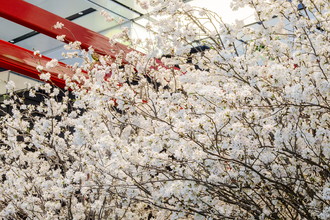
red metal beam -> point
(42, 21)
(23, 61)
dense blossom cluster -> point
(238, 131)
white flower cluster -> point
(61, 37)
(234, 127)
(51, 64)
(45, 76)
(58, 25)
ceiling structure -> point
(83, 12)
(87, 14)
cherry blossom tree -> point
(238, 130)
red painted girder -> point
(23, 61)
(42, 21)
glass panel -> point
(16, 30)
(63, 8)
(20, 81)
(116, 29)
(131, 4)
(96, 22)
(39, 42)
(116, 8)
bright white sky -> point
(222, 7)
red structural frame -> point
(42, 21)
(23, 61)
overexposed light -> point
(222, 8)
